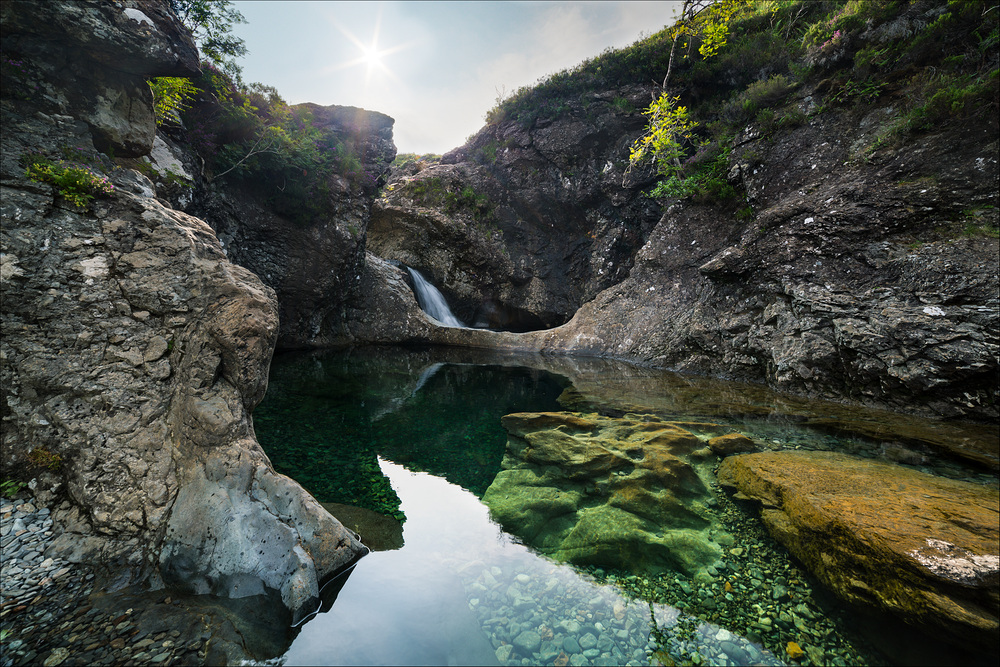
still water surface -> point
(417, 435)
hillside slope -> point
(833, 231)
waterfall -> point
(432, 301)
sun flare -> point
(372, 56)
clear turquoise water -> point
(416, 435)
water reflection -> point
(461, 591)
(450, 587)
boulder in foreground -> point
(596, 490)
(883, 536)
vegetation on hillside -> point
(938, 57)
(247, 132)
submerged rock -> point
(921, 547)
(612, 492)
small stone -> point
(57, 657)
(503, 653)
(588, 641)
(156, 659)
(794, 651)
(571, 645)
(523, 579)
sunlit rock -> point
(884, 536)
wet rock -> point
(921, 547)
(528, 641)
(585, 488)
(731, 443)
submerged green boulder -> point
(605, 491)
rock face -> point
(883, 536)
(133, 352)
(93, 57)
(314, 266)
(857, 263)
(808, 297)
(595, 490)
(523, 225)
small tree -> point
(669, 124)
(211, 22)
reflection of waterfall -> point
(426, 375)
(432, 301)
(398, 402)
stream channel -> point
(402, 445)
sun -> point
(371, 56)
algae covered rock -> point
(597, 490)
(879, 535)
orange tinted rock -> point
(732, 443)
(883, 536)
(794, 651)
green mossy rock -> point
(611, 492)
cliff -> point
(833, 231)
(133, 351)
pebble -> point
(46, 613)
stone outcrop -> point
(921, 547)
(133, 352)
(523, 225)
(596, 490)
(93, 57)
(806, 296)
(856, 261)
(314, 266)
(824, 293)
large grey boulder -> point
(133, 353)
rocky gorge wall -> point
(314, 266)
(133, 350)
(855, 267)
(525, 223)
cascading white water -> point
(432, 301)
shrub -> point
(44, 459)
(9, 488)
(171, 95)
(434, 192)
(75, 182)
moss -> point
(43, 459)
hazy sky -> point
(437, 67)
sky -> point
(436, 67)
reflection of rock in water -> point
(612, 492)
(378, 532)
